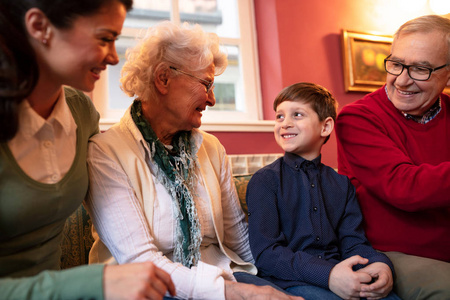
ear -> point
(162, 79)
(327, 127)
(38, 25)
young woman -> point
(46, 45)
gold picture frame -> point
(363, 57)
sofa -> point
(77, 238)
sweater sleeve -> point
(373, 155)
(84, 282)
(269, 245)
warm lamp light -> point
(440, 7)
(412, 6)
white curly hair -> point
(186, 47)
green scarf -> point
(176, 171)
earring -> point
(44, 41)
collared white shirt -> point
(45, 149)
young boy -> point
(305, 226)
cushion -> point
(77, 239)
(241, 182)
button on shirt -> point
(45, 149)
(304, 219)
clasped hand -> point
(374, 281)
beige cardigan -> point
(124, 144)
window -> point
(238, 100)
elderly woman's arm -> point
(236, 290)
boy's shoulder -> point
(273, 167)
(330, 170)
(334, 173)
(336, 181)
(268, 172)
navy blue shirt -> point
(304, 218)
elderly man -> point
(394, 144)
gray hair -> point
(426, 24)
(186, 47)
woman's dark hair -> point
(18, 75)
(61, 13)
(18, 67)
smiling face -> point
(182, 99)
(424, 49)
(298, 129)
(77, 55)
(189, 99)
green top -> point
(32, 217)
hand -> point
(345, 282)
(236, 290)
(136, 281)
(383, 281)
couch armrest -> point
(241, 182)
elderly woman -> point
(160, 189)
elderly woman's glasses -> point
(419, 73)
(208, 84)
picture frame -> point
(363, 57)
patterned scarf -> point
(176, 172)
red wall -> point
(299, 40)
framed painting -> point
(363, 57)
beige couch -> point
(77, 238)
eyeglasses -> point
(419, 73)
(208, 84)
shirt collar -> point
(297, 162)
(427, 117)
(61, 113)
(30, 122)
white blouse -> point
(45, 148)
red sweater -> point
(401, 171)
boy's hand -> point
(345, 282)
(383, 281)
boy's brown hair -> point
(322, 101)
(320, 98)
